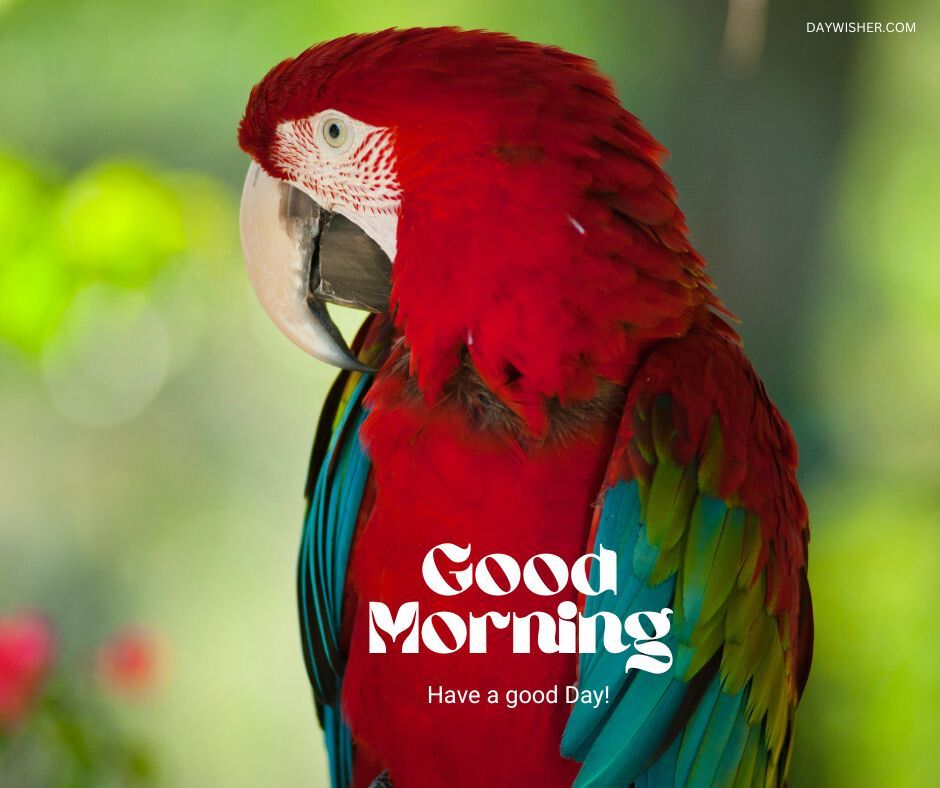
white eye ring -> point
(333, 131)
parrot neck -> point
(496, 397)
(525, 418)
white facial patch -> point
(346, 166)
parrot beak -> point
(300, 256)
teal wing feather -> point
(339, 472)
(722, 714)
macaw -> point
(546, 369)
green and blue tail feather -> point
(324, 556)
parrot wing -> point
(336, 488)
(701, 504)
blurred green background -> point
(155, 427)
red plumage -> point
(472, 491)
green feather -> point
(778, 715)
(666, 565)
(750, 550)
(663, 427)
(667, 479)
(706, 640)
(768, 672)
(743, 608)
(643, 437)
(705, 527)
(740, 662)
(713, 453)
(681, 510)
(726, 564)
(746, 769)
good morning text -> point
(545, 574)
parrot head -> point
(491, 195)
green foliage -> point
(73, 740)
(871, 712)
(117, 223)
(34, 289)
(120, 223)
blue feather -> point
(663, 771)
(324, 557)
(619, 522)
(622, 742)
(728, 710)
(633, 732)
(731, 758)
(695, 731)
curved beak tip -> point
(284, 235)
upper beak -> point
(300, 256)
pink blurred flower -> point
(27, 649)
(129, 662)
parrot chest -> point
(436, 483)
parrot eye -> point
(334, 132)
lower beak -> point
(300, 256)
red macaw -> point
(548, 371)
